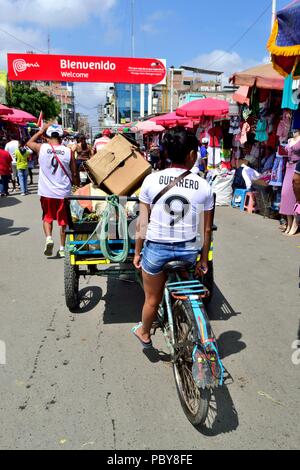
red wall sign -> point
(69, 68)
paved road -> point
(80, 381)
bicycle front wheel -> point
(194, 401)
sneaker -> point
(61, 253)
(23, 194)
(49, 247)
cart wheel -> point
(71, 278)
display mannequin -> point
(288, 199)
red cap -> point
(106, 132)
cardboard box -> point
(119, 167)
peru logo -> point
(20, 65)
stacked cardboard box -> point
(119, 167)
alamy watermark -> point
(296, 353)
(2, 353)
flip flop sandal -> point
(145, 345)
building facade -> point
(122, 101)
(63, 92)
(82, 124)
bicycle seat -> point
(174, 266)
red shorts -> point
(54, 209)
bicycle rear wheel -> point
(194, 401)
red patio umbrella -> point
(170, 120)
(19, 117)
(146, 127)
(204, 107)
(4, 110)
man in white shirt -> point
(58, 172)
(248, 173)
(102, 141)
(11, 147)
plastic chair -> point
(250, 203)
(238, 199)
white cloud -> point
(8, 44)
(56, 13)
(38, 15)
(151, 24)
(227, 62)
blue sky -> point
(194, 32)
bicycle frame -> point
(190, 290)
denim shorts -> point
(156, 255)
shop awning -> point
(241, 95)
(262, 76)
(284, 42)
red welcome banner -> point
(69, 68)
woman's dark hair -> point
(55, 135)
(83, 142)
(178, 143)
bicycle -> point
(183, 320)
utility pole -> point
(172, 88)
(132, 55)
(62, 111)
(48, 42)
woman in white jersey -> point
(175, 226)
(57, 174)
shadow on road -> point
(9, 201)
(90, 296)
(220, 308)
(157, 355)
(7, 227)
(222, 415)
(230, 343)
(123, 302)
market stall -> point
(208, 115)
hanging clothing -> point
(277, 172)
(296, 120)
(284, 126)
(261, 131)
(288, 101)
(246, 112)
(215, 136)
(214, 156)
(234, 125)
(245, 129)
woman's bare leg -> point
(294, 228)
(289, 224)
(154, 288)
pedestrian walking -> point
(58, 172)
(11, 147)
(5, 169)
(31, 162)
(22, 155)
(82, 151)
(101, 141)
